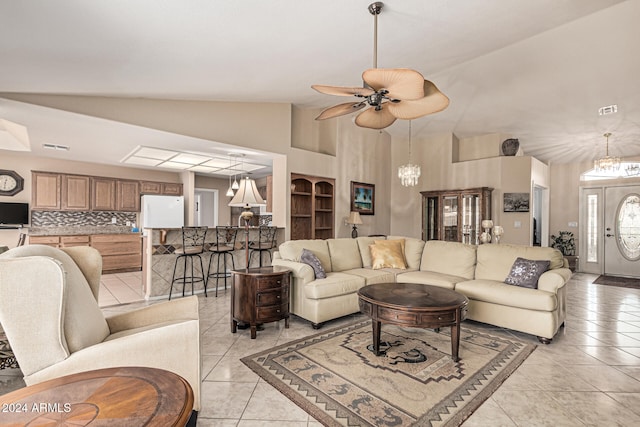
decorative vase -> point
(510, 146)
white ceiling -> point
(536, 70)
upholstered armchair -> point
(50, 314)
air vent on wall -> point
(56, 147)
(609, 109)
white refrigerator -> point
(162, 211)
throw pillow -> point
(387, 254)
(310, 259)
(526, 272)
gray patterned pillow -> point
(309, 258)
(526, 272)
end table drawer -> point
(274, 312)
(275, 297)
(272, 282)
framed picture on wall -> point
(516, 202)
(363, 198)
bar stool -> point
(224, 246)
(192, 246)
(264, 243)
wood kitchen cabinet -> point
(259, 295)
(120, 252)
(163, 188)
(103, 194)
(45, 190)
(128, 196)
(53, 241)
(75, 193)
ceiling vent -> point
(609, 109)
(56, 147)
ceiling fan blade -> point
(343, 91)
(401, 83)
(375, 119)
(432, 102)
(341, 110)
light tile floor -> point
(120, 288)
(588, 376)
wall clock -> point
(10, 183)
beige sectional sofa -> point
(478, 272)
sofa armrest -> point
(552, 280)
(299, 270)
(179, 309)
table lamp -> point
(354, 219)
(247, 197)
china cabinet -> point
(455, 215)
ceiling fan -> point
(391, 93)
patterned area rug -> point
(623, 282)
(7, 359)
(336, 379)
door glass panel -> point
(451, 219)
(592, 228)
(628, 227)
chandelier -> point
(607, 163)
(409, 173)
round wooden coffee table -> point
(131, 396)
(413, 305)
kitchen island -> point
(158, 260)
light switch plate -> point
(573, 224)
(517, 224)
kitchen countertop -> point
(79, 230)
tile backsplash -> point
(81, 218)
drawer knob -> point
(278, 297)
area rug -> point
(334, 376)
(623, 282)
(7, 359)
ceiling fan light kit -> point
(390, 93)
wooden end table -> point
(259, 295)
(132, 396)
(413, 305)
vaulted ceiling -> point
(536, 70)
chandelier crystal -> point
(409, 173)
(607, 163)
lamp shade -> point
(247, 195)
(354, 218)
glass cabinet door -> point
(432, 215)
(470, 219)
(450, 218)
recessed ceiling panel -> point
(155, 153)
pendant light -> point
(409, 173)
(607, 163)
(230, 192)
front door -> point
(622, 231)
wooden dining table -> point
(127, 396)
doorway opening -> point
(205, 210)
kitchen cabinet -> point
(53, 241)
(75, 192)
(312, 207)
(120, 252)
(455, 215)
(163, 188)
(103, 194)
(45, 190)
(128, 196)
(69, 241)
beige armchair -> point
(50, 313)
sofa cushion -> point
(526, 272)
(387, 254)
(454, 258)
(430, 278)
(373, 276)
(334, 285)
(365, 252)
(312, 261)
(345, 254)
(413, 249)
(292, 249)
(495, 261)
(514, 296)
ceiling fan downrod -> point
(375, 9)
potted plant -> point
(566, 244)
